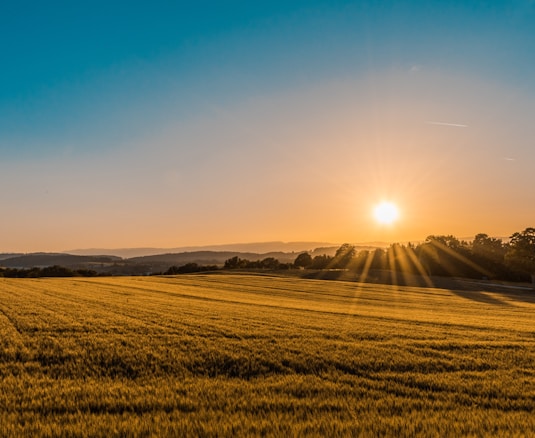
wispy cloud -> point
(456, 125)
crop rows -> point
(231, 355)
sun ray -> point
(366, 269)
(392, 264)
(419, 267)
(439, 245)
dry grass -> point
(231, 355)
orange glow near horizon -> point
(304, 166)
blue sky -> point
(115, 92)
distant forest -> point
(439, 255)
(47, 271)
(443, 255)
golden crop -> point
(246, 355)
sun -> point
(386, 213)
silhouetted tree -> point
(189, 268)
(49, 271)
(56, 271)
(269, 263)
(303, 260)
(448, 241)
(234, 263)
(361, 260)
(321, 262)
(521, 254)
(489, 253)
(378, 257)
(441, 255)
(86, 273)
(402, 258)
(343, 257)
(488, 247)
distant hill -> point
(161, 262)
(4, 256)
(49, 259)
(145, 264)
(135, 265)
(257, 248)
(208, 257)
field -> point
(248, 355)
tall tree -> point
(489, 247)
(344, 255)
(489, 253)
(521, 252)
(303, 260)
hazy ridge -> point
(254, 247)
(150, 260)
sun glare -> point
(386, 213)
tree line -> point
(48, 271)
(439, 255)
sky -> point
(169, 123)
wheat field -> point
(262, 355)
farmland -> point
(244, 354)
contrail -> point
(458, 125)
